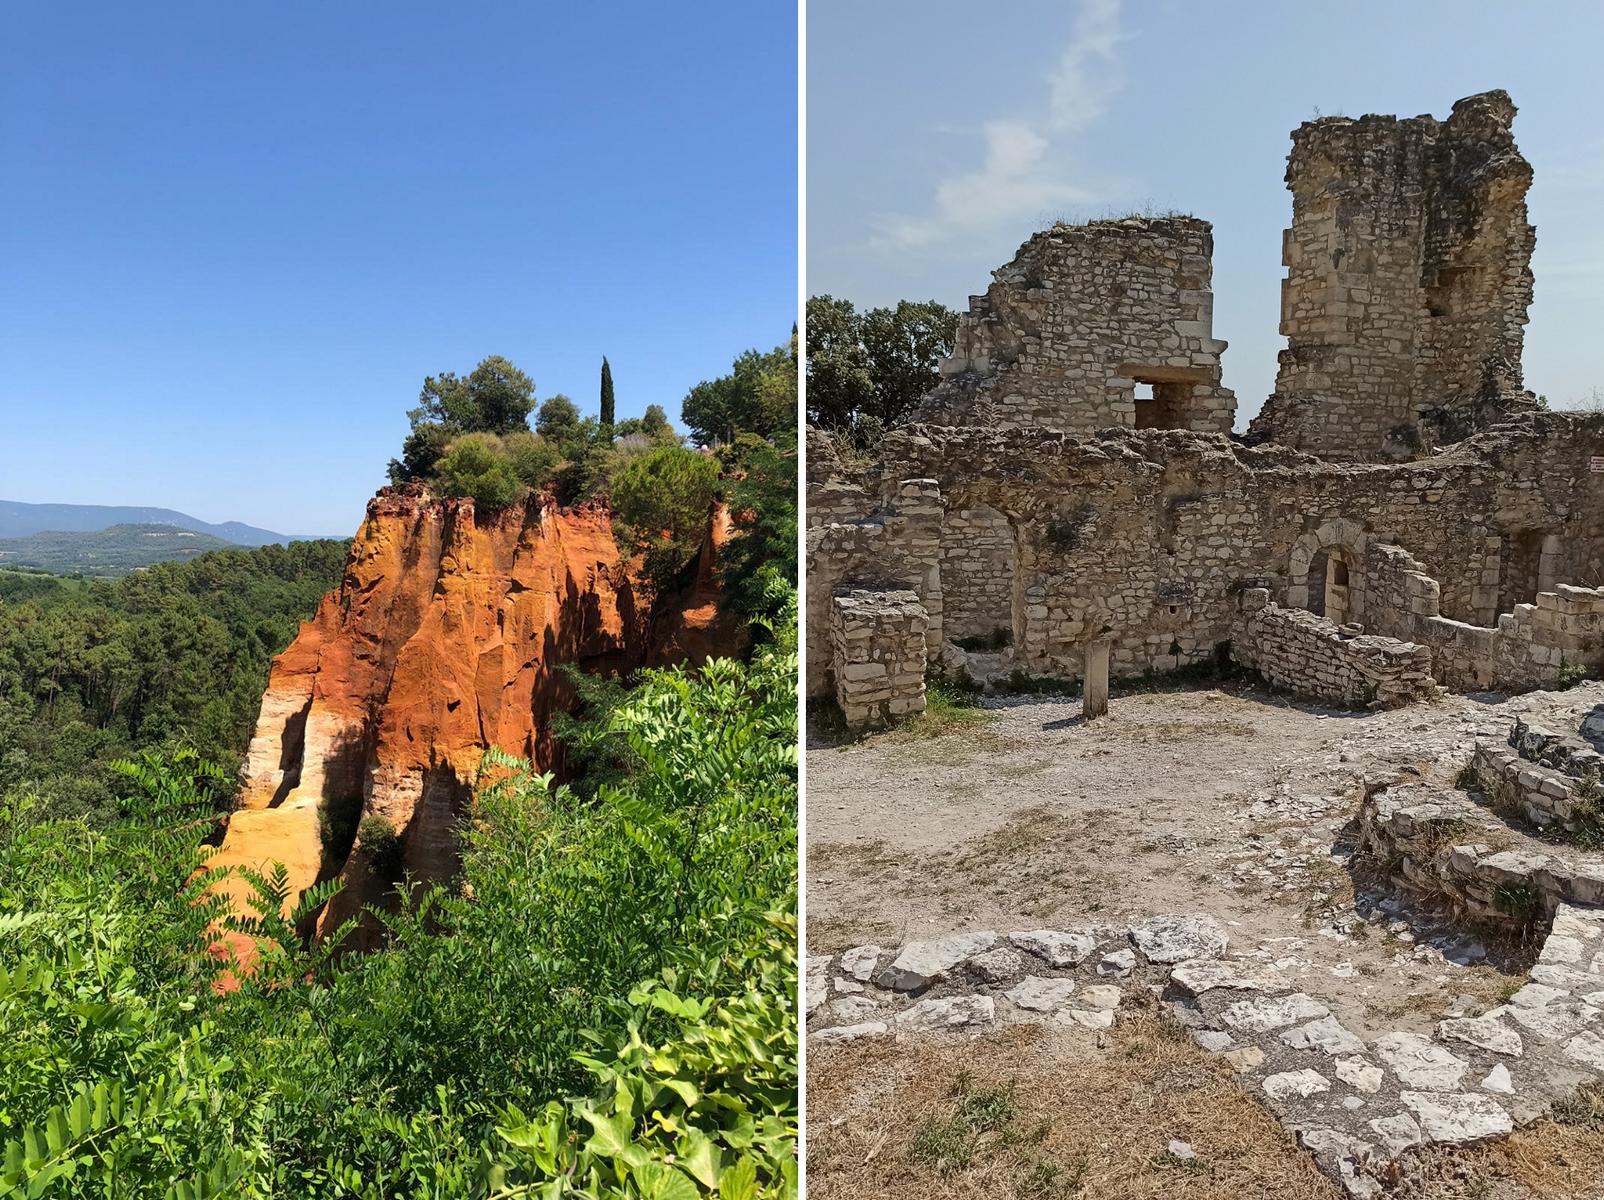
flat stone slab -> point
(1419, 1062)
(922, 963)
(1487, 1032)
(818, 980)
(1265, 1015)
(1360, 1074)
(1177, 937)
(1457, 1119)
(953, 1012)
(998, 965)
(1042, 995)
(1201, 975)
(1118, 964)
(860, 962)
(1305, 1082)
(850, 1033)
(1586, 1048)
(1056, 947)
(1325, 1034)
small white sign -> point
(1596, 464)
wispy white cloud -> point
(1026, 169)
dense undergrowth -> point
(603, 1004)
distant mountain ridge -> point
(19, 519)
(107, 552)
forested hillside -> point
(114, 551)
(91, 671)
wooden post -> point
(1094, 678)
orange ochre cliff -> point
(444, 638)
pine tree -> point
(606, 395)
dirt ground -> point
(1235, 803)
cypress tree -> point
(606, 395)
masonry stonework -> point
(1092, 326)
(1408, 280)
(1402, 515)
(877, 643)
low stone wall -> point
(1311, 657)
(877, 655)
(1551, 778)
(1527, 649)
(1445, 845)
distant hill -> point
(19, 520)
(114, 551)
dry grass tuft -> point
(887, 1120)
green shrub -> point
(476, 465)
(661, 502)
(534, 461)
(382, 846)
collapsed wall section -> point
(877, 655)
(1408, 282)
(1307, 655)
(1151, 537)
(1091, 326)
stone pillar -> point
(1094, 678)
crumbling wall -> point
(1150, 537)
(977, 572)
(1307, 655)
(1408, 281)
(897, 547)
(1528, 647)
(1083, 317)
(877, 655)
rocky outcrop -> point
(445, 637)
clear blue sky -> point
(234, 237)
(941, 133)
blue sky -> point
(237, 236)
(942, 133)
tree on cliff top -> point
(757, 396)
(495, 397)
(607, 407)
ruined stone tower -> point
(1089, 327)
(1408, 280)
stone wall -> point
(1307, 655)
(897, 547)
(1152, 535)
(1408, 280)
(1552, 779)
(1528, 647)
(1083, 319)
(977, 572)
(877, 655)
(1446, 846)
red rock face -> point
(444, 638)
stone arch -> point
(1338, 541)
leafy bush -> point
(476, 465)
(661, 502)
(758, 567)
(382, 846)
(652, 925)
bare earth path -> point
(1234, 804)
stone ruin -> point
(1402, 519)
(1401, 516)
(1408, 279)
